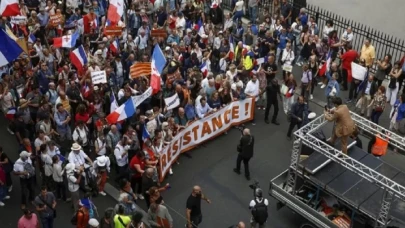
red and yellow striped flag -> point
(140, 69)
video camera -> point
(241, 128)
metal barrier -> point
(383, 43)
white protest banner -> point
(358, 72)
(141, 98)
(98, 77)
(18, 20)
(204, 129)
(172, 102)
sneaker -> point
(102, 193)
(7, 197)
(68, 200)
(253, 123)
(311, 97)
(323, 86)
(320, 83)
(10, 131)
(299, 64)
(140, 196)
(1, 204)
(170, 171)
(10, 188)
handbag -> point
(46, 203)
(284, 89)
(378, 109)
(393, 83)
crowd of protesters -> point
(60, 123)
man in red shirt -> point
(137, 167)
(347, 58)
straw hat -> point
(76, 146)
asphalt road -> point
(211, 168)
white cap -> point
(167, 48)
(101, 161)
(25, 154)
(311, 115)
(93, 222)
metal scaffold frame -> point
(391, 188)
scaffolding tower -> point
(304, 136)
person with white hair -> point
(74, 177)
(24, 169)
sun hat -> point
(101, 161)
(76, 146)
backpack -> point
(259, 212)
(73, 220)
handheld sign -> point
(55, 20)
(113, 31)
(358, 72)
(98, 77)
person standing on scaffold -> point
(344, 124)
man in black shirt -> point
(193, 211)
(298, 114)
(21, 131)
(272, 90)
(270, 68)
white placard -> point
(172, 102)
(18, 20)
(358, 72)
(98, 77)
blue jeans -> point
(375, 116)
(3, 191)
(47, 222)
(253, 14)
(238, 16)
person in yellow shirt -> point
(120, 219)
(368, 53)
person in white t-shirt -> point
(78, 157)
(74, 177)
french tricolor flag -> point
(114, 46)
(145, 134)
(9, 8)
(326, 66)
(31, 38)
(204, 69)
(290, 93)
(68, 41)
(201, 30)
(231, 48)
(10, 113)
(123, 112)
(86, 90)
(157, 65)
(78, 58)
(114, 104)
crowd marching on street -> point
(98, 89)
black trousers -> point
(27, 184)
(245, 164)
(122, 173)
(271, 101)
(344, 78)
(353, 90)
(196, 220)
(60, 190)
(293, 123)
(136, 182)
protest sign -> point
(204, 129)
(159, 33)
(172, 102)
(18, 20)
(113, 31)
(55, 20)
(358, 72)
(98, 77)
